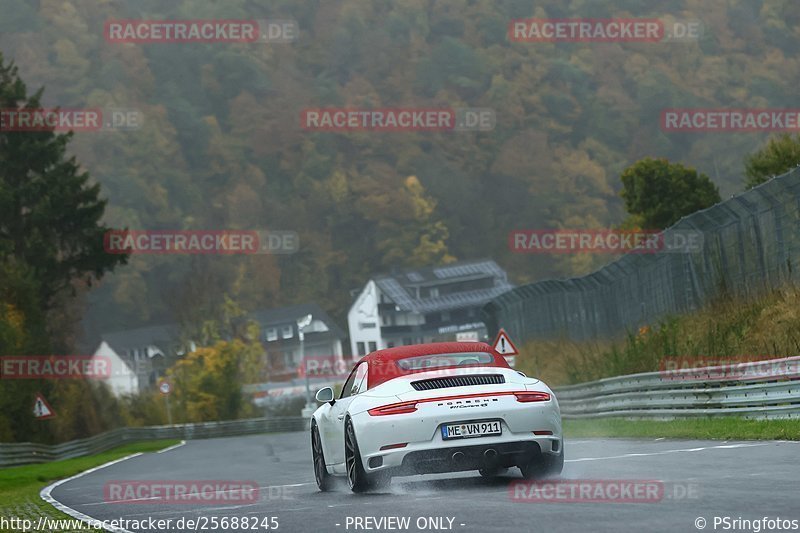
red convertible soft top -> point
(383, 363)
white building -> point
(279, 334)
(424, 305)
(139, 357)
(137, 354)
(123, 379)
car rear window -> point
(424, 362)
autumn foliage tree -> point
(208, 381)
(221, 145)
(779, 155)
(658, 193)
(414, 237)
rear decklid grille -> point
(458, 381)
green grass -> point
(20, 485)
(721, 428)
(730, 328)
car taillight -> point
(394, 409)
(526, 397)
(394, 446)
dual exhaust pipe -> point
(489, 456)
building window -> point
(387, 320)
(286, 332)
(361, 350)
(434, 292)
(366, 325)
(271, 334)
(390, 345)
(407, 341)
(373, 346)
(445, 316)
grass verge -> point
(731, 329)
(721, 428)
(20, 485)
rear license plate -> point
(466, 430)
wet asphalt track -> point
(750, 480)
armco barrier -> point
(28, 453)
(763, 389)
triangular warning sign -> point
(503, 345)
(42, 409)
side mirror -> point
(325, 395)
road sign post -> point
(503, 345)
(42, 409)
(302, 323)
(165, 388)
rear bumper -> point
(472, 457)
(433, 454)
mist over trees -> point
(221, 144)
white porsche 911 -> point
(433, 408)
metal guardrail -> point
(28, 453)
(759, 389)
(762, 389)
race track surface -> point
(748, 480)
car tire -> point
(543, 465)
(357, 478)
(321, 475)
